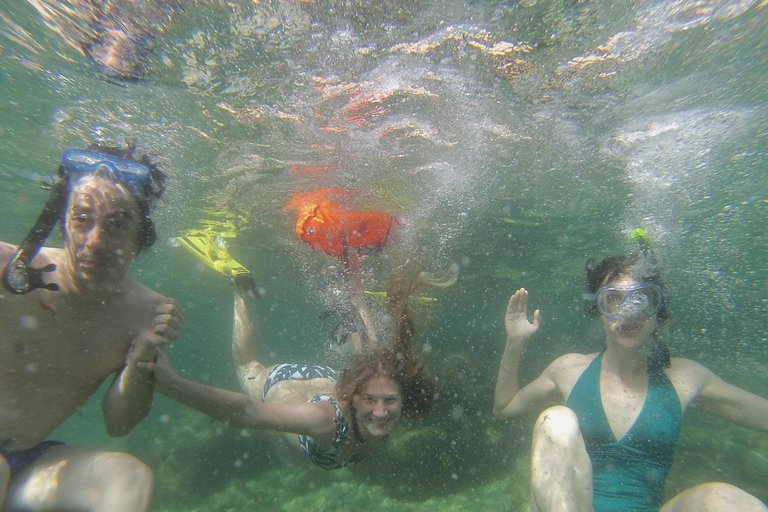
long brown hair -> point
(400, 358)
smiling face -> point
(630, 331)
(101, 230)
(378, 406)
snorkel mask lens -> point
(78, 163)
(135, 176)
(627, 301)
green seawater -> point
(514, 139)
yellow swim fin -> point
(382, 297)
(205, 247)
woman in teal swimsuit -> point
(335, 419)
(610, 447)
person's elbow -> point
(123, 424)
(121, 428)
(118, 431)
(499, 412)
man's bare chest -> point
(88, 342)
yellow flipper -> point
(382, 296)
(204, 246)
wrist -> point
(504, 368)
(142, 355)
(515, 343)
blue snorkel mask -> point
(18, 276)
(629, 301)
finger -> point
(145, 365)
(512, 304)
(169, 308)
(161, 357)
(536, 318)
(522, 302)
(174, 321)
(166, 334)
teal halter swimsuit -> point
(629, 475)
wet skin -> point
(51, 364)
(102, 228)
(378, 407)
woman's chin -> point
(379, 431)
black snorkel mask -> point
(18, 276)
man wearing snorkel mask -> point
(71, 317)
(610, 446)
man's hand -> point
(166, 328)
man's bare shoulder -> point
(6, 252)
(137, 294)
(141, 291)
(46, 254)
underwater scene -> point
(509, 142)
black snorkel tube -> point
(18, 276)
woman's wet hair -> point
(399, 358)
(639, 266)
(416, 389)
(148, 195)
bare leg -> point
(81, 479)
(356, 296)
(5, 476)
(561, 472)
(714, 497)
(250, 371)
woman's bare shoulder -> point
(573, 360)
(688, 370)
(568, 367)
(566, 370)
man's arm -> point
(130, 397)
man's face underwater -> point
(102, 230)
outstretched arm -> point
(729, 402)
(510, 399)
(130, 397)
(239, 410)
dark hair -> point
(610, 268)
(146, 199)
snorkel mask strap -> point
(18, 276)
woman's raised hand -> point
(516, 323)
(164, 376)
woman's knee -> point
(558, 422)
(252, 377)
(714, 497)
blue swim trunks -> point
(19, 460)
